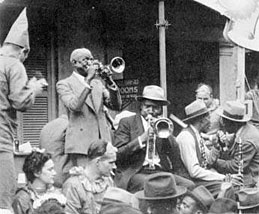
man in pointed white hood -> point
(16, 94)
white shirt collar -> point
(145, 123)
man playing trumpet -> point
(133, 137)
(86, 97)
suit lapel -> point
(138, 124)
(77, 91)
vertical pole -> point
(162, 51)
(240, 85)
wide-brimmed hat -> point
(19, 34)
(233, 110)
(154, 93)
(195, 109)
(202, 196)
(119, 195)
(223, 205)
(160, 186)
(248, 198)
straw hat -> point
(160, 186)
(154, 93)
(195, 109)
(233, 110)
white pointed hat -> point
(18, 33)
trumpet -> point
(162, 128)
(117, 65)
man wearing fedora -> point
(244, 148)
(160, 194)
(131, 138)
(197, 201)
(196, 157)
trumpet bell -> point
(163, 127)
(117, 65)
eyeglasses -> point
(89, 58)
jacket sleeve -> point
(21, 97)
(70, 99)
(126, 146)
(231, 166)
(112, 97)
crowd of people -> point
(84, 166)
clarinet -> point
(240, 157)
(240, 164)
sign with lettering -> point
(129, 89)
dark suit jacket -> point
(250, 154)
(131, 156)
(85, 110)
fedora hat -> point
(233, 110)
(195, 109)
(248, 198)
(202, 196)
(154, 93)
(160, 186)
(223, 205)
(116, 208)
(118, 195)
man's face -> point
(106, 165)
(47, 173)
(151, 107)
(82, 64)
(206, 97)
(188, 206)
(228, 125)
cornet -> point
(117, 65)
(163, 128)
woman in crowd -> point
(39, 170)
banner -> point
(233, 9)
(242, 28)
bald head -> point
(79, 53)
